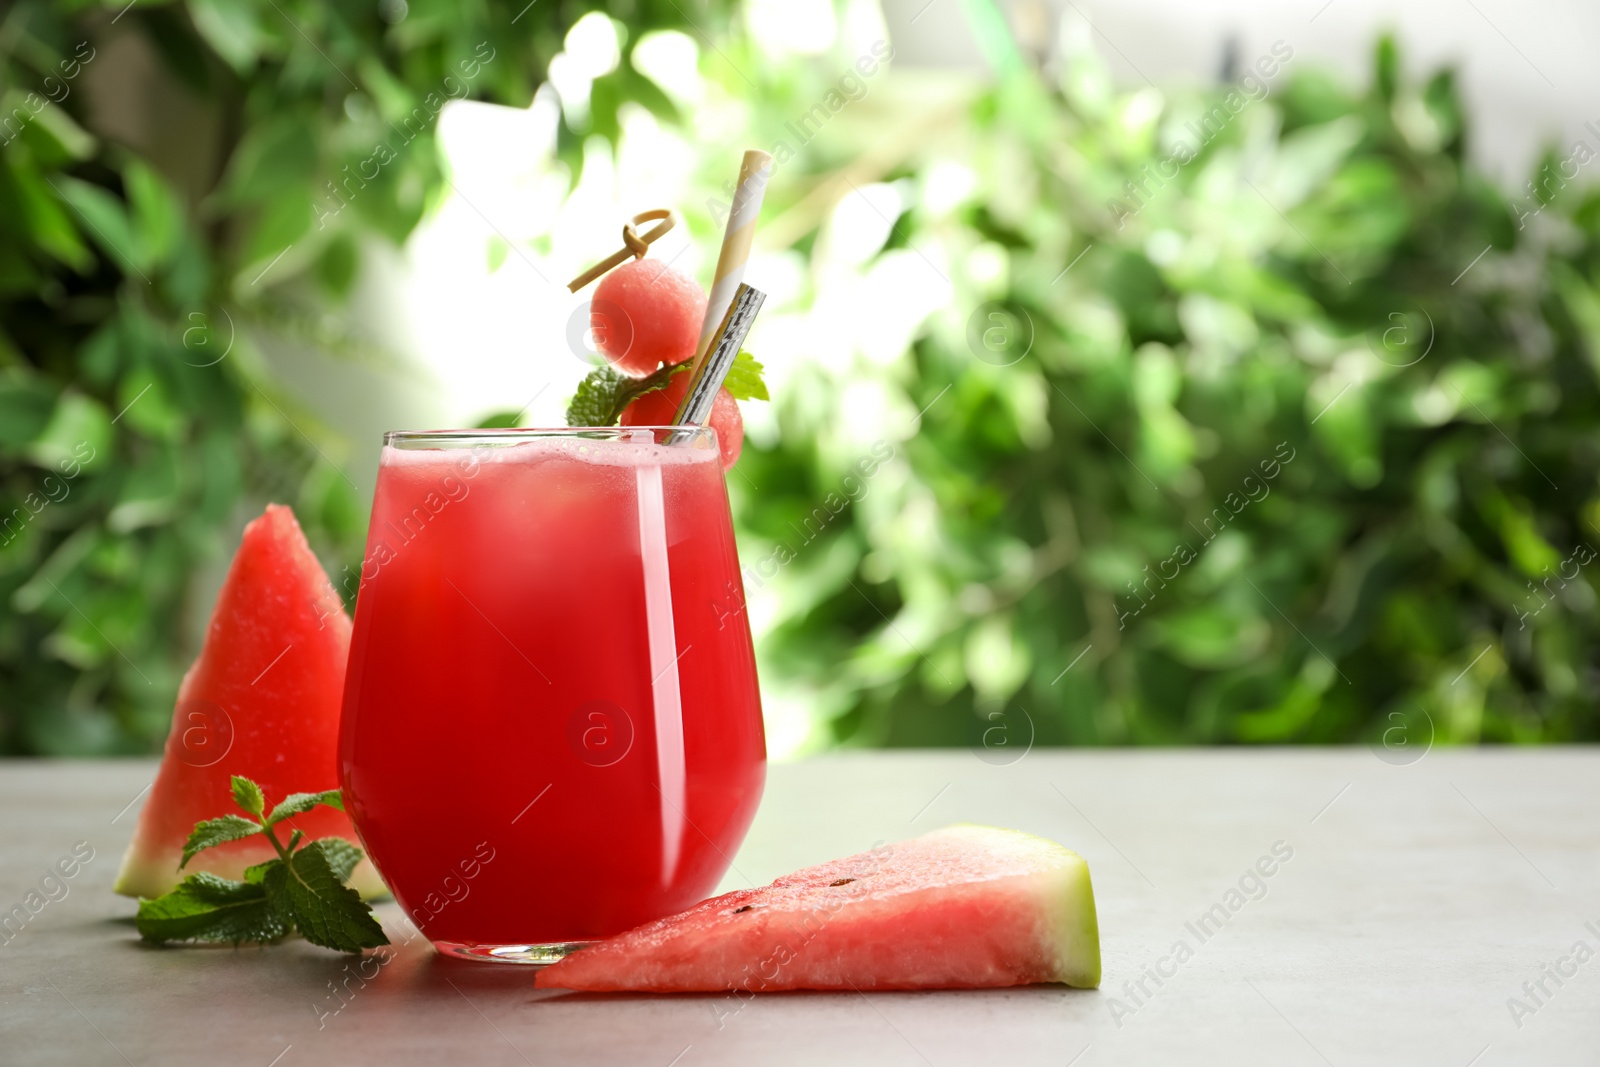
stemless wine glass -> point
(552, 729)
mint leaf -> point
(275, 881)
(299, 803)
(342, 856)
(248, 796)
(594, 403)
(328, 912)
(258, 874)
(215, 832)
(744, 379)
(208, 908)
(604, 395)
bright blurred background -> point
(1227, 375)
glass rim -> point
(511, 434)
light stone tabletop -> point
(1405, 909)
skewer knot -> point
(634, 243)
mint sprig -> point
(605, 394)
(304, 888)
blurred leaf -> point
(31, 201)
(26, 404)
(107, 222)
(157, 215)
(499, 248)
(77, 436)
(276, 232)
(232, 28)
(1210, 636)
(278, 155)
(150, 493)
(145, 405)
(57, 138)
(337, 266)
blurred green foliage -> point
(138, 425)
(1288, 441)
(1292, 439)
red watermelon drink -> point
(552, 729)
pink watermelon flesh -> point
(646, 313)
(962, 907)
(262, 701)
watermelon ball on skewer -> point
(658, 408)
(646, 313)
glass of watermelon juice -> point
(551, 728)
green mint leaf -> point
(328, 912)
(248, 796)
(605, 394)
(299, 803)
(595, 400)
(744, 379)
(215, 832)
(205, 907)
(275, 881)
(342, 856)
(257, 875)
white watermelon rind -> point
(1078, 929)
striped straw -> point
(754, 171)
(709, 373)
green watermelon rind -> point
(1078, 928)
(1079, 933)
(1075, 926)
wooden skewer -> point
(635, 244)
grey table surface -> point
(1417, 902)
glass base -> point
(537, 955)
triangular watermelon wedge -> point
(962, 907)
(262, 701)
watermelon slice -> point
(262, 701)
(962, 907)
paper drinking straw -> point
(754, 171)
